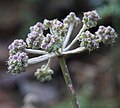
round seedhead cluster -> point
(90, 19)
(44, 74)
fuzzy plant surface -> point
(55, 44)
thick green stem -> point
(68, 82)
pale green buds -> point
(34, 40)
(35, 36)
(47, 24)
(44, 74)
(72, 18)
(50, 43)
(58, 28)
(17, 63)
(18, 59)
(18, 45)
(90, 19)
(106, 34)
(38, 27)
(89, 41)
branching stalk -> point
(74, 51)
(33, 51)
(41, 58)
(75, 39)
(48, 64)
(68, 35)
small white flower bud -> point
(47, 23)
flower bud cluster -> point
(106, 34)
(72, 18)
(90, 19)
(56, 27)
(55, 43)
(89, 41)
(35, 36)
(38, 27)
(50, 43)
(44, 74)
(17, 61)
(17, 45)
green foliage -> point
(113, 8)
(66, 104)
(85, 102)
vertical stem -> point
(68, 82)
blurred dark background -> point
(96, 74)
